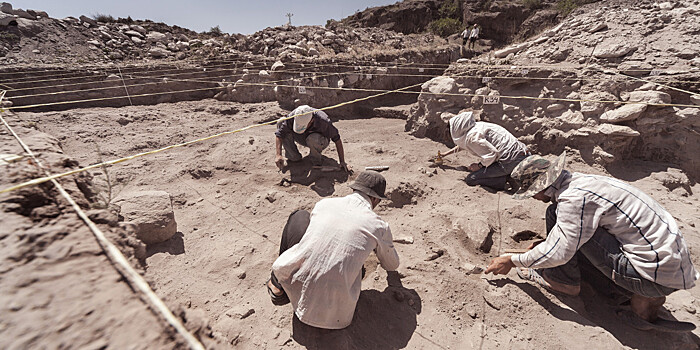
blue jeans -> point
(495, 175)
(604, 253)
(315, 141)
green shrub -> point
(450, 9)
(101, 17)
(533, 4)
(566, 6)
(445, 26)
(215, 30)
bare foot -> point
(537, 277)
(276, 291)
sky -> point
(232, 16)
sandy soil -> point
(231, 204)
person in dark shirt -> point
(311, 128)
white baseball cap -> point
(303, 118)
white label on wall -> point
(525, 71)
(492, 100)
(421, 70)
(369, 76)
(485, 79)
(301, 74)
(655, 72)
(302, 89)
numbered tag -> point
(369, 76)
(301, 74)
(302, 89)
(655, 72)
(421, 70)
(492, 100)
(485, 80)
(525, 71)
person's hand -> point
(346, 167)
(500, 265)
(474, 167)
(279, 161)
(534, 244)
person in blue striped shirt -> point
(620, 230)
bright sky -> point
(232, 16)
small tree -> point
(445, 27)
(215, 31)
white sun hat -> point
(303, 114)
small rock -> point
(695, 99)
(239, 312)
(436, 254)
(404, 240)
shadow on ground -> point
(383, 320)
(174, 246)
(321, 182)
(596, 308)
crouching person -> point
(617, 228)
(500, 152)
(311, 128)
(320, 266)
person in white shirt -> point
(499, 151)
(322, 274)
(615, 227)
(473, 36)
(465, 36)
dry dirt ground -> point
(231, 204)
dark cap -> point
(370, 183)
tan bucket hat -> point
(536, 173)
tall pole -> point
(289, 15)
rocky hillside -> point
(408, 17)
(34, 37)
(502, 21)
(592, 98)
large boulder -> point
(6, 19)
(155, 37)
(88, 20)
(651, 97)
(158, 52)
(151, 212)
(429, 118)
(613, 50)
(625, 113)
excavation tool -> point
(474, 271)
(438, 160)
(379, 168)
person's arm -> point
(283, 128)
(279, 160)
(386, 253)
(341, 155)
(451, 151)
(478, 144)
(577, 221)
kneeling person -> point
(499, 150)
(322, 274)
(311, 128)
(620, 230)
